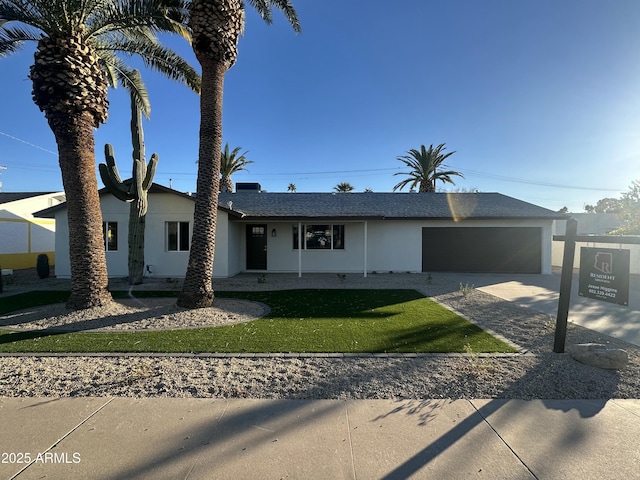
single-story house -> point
(332, 232)
(22, 236)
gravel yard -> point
(539, 373)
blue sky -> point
(539, 99)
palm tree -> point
(424, 165)
(292, 188)
(344, 187)
(215, 26)
(75, 62)
(230, 163)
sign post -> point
(604, 274)
(565, 285)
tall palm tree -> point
(75, 62)
(425, 168)
(344, 187)
(215, 27)
(230, 163)
(292, 188)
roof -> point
(389, 206)
(155, 188)
(360, 206)
(15, 196)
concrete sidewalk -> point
(118, 438)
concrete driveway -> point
(541, 293)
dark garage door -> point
(482, 249)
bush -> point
(42, 266)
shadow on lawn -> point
(242, 426)
(94, 323)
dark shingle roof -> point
(355, 206)
(383, 206)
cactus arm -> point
(111, 178)
(117, 190)
(110, 158)
(151, 170)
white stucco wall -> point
(162, 208)
(63, 269)
(14, 236)
(282, 257)
(229, 249)
(634, 254)
(392, 245)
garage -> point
(482, 249)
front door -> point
(256, 247)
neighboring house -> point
(590, 223)
(167, 233)
(22, 236)
(329, 232)
(594, 224)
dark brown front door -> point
(256, 247)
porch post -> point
(299, 249)
(365, 247)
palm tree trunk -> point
(226, 185)
(89, 281)
(197, 291)
(427, 185)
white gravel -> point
(539, 374)
(134, 314)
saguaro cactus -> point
(133, 192)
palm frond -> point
(232, 162)
(23, 12)
(265, 9)
(143, 17)
(12, 38)
(160, 59)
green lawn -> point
(348, 321)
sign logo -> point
(604, 262)
(604, 274)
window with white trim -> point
(177, 236)
(110, 234)
(320, 237)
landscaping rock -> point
(599, 355)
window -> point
(110, 235)
(178, 236)
(320, 237)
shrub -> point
(42, 266)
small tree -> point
(344, 187)
(230, 163)
(425, 165)
(630, 211)
(292, 188)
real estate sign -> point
(604, 274)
